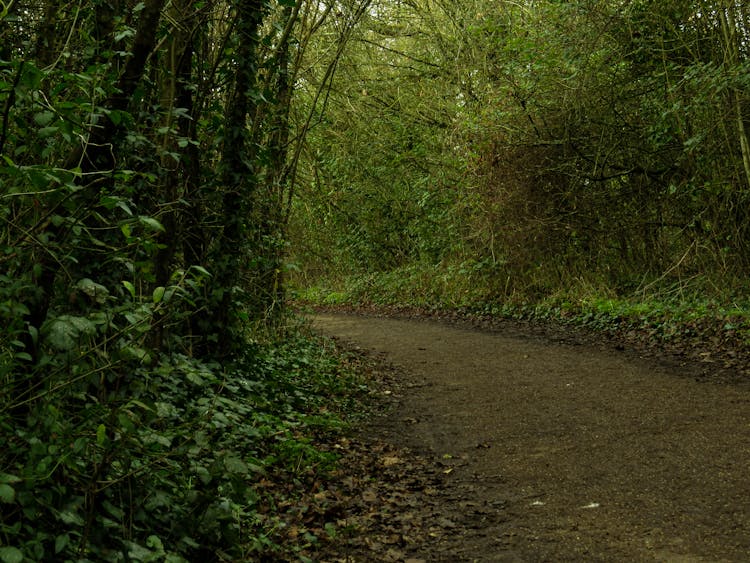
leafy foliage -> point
(554, 144)
(137, 421)
(171, 468)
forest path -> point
(561, 452)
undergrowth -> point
(664, 313)
(196, 461)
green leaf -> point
(65, 331)
(158, 294)
(119, 36)
(45, 132)
(124, 206)
(154, 542)
(236, 466)
(10, 555)
(201, 270)
(32, 77)
(141, 404)
(195, 377)
(70, 517)
(44, 118)
(135, 353)
(113, 510)
(130, 287)
(61, 542)
(8, 478)
(34, 332)
(95, 291)
(203, 474)
(7, 493)
(156, 438)
(125, 423)
(151, 223)
(101, 434)
(137, 552)
(117, 116)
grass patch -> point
(664, 314)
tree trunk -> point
(238, 179)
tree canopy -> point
(537, 145)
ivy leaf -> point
(7, 493)
(10, 555)
(65, 331)
(95, 291)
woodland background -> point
(505, 151)
(172, 171)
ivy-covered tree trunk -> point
(270, 227)
(238, 181)
(182, 174)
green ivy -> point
(171, 469)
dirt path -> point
(565, 453)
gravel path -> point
(565, 452)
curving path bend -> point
(588, 454)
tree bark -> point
(238, 178)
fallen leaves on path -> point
(384, 502)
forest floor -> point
(511, 444)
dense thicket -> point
(147, 157)
(489, 150)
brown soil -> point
(504, 446)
